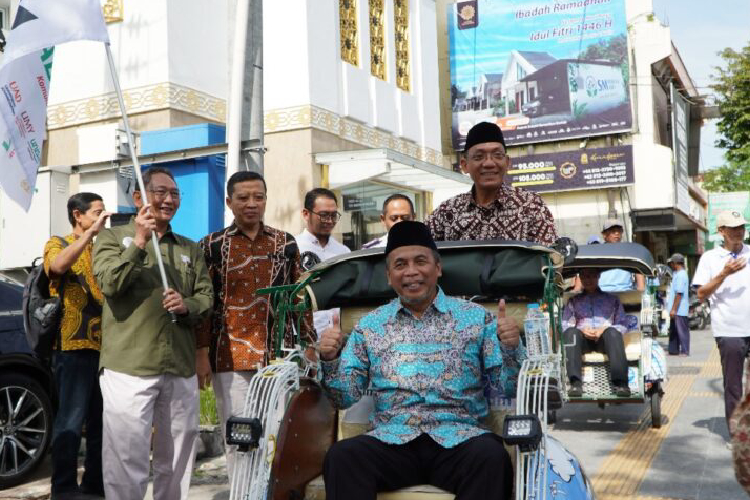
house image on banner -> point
(515, 90)
(487, 95)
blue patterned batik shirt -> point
(425, 373)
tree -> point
(727, 178)
(732, 87)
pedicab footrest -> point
(597, 382)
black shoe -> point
(622, 391)
(576, 389)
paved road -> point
(687, 459)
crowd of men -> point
(132, 354)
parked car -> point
(27, 394)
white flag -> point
(45, 23)
(24, 85)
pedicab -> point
(645, 357)
(288, 423)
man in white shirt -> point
(321, 215)
(724, 278)
(396, 207)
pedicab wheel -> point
(656, 408)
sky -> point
(699, 30)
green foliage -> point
(727, 178)
(579, 109)
(732, 87)
(614, 49)
(208, 414)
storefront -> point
(364, 179)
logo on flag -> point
(24, 81)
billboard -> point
(568, 170)
(543, 70)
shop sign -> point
(354, 203)
(568, 170)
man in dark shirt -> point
(492, 210)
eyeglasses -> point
(328, 216)
(161, 194)
(497, 156)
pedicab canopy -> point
(492, 269)
(630, 256)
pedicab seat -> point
(632, 349)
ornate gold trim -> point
(137, 100)
(299, 117)
(377, 39)
(113, 11)
(401, 25)
(348, 33)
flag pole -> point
(136, 164)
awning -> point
(663, 219)
(389, 166)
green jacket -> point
(138, 336)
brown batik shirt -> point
(516, 214)
(239, 332)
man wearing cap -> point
(723, 278)
(492, 210)
(618, 280)
(677, 305)
(424, 354)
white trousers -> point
(132, 405)
(231, 391)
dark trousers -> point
(679, 335)
(76, 376)
(733, 351)
(611, 343)
(477, 469)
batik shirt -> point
(81, 322)
(595, 310)
(516, 214)
(240, 332)
(425, 373)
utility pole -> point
(245, 104)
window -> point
(348, 31)
(401, 25)
(520, 72)
(377, 39)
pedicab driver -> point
(424, 354)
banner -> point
(680, 140)
(543, 70)
(718, 202)
(568, 170)
(23, 108)
(43, 23)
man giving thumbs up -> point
(423, 355)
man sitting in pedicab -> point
(595, 321)
(424, 354)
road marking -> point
(705, 394)
(622, 472)
(712, 367)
